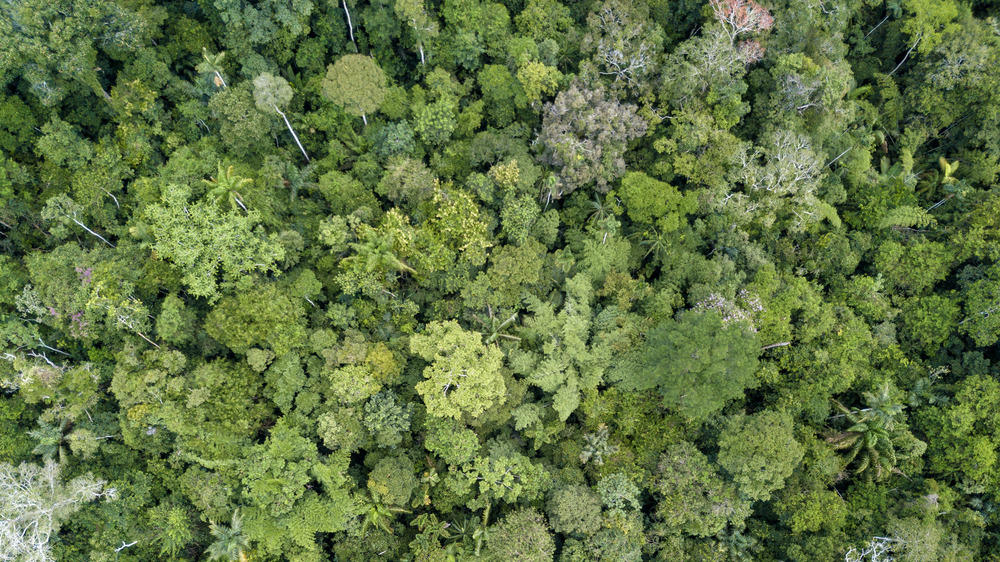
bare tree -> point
(33, 503)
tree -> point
(56, 47)
(212, 64)
(33, 504)
(502, 93)
(356, 83)
(423, 25)
(624, 42)
(693, 498)
(759, 451)
(522, 535)
(392, 482)
(739, 17)
(264, 315)
(574, 509)
(273, 92)
(205, 242)
(782, 192)
(874, 436)
(537, 79)
(230, 545)
(650, 201)
(966, 431)
(435, 122)
(224, 187)
(62, 208)
(504, 473)
(928, 22)
(171, 528)
(463, 378)
(387, 420)
(584, 135)
(619, 494)
(698, 362)
(982, 307)
(244, 129)
(569, 363)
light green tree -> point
(204, 242)
(356, 83)
(693, 498)
(574, 509)
(699, 362)
(464, 376)
(522, 535)
(225, 185)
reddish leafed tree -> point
(750, 51)
(741, 16)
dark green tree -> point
(699, 362)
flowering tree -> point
(739, 17)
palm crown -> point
(230, 544)
(872, 437)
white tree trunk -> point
(290, 130)
(350, 26)
(91, 231)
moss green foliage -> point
(453, 280)
(522, 535)
(355, 83)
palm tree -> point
(212, 64)
(657, 241)
(225, 187)
(602, 209)
(230, 543)
(379, 516)
(496, 326)
(51, 440)
(872, 437)
(375, 251)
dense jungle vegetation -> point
(527, 280)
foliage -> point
(522, 535)
(759, 452)
(873, 436)
(574, 509)
(205, 243)
(693, 497)
(34, 502)
(463, 378)
(356, 83)
(606, 280)
(698, 362)
(584, 135)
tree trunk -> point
(290, 130)
(350, 26)
(80, 224)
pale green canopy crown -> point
(356, 83)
